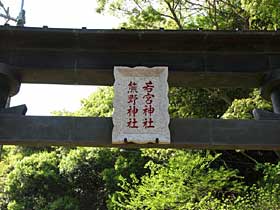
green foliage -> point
(242, 108)
(145, 18)
(78, 178)
(264, 14)
(265, 193)
(191, 14)
(143, 14)
(83, 168)
(158, 155)
(63, 202)
(210, 14)
(9, 158)
(185, 102)
(183, 182)
(99, 104)
(35, 182)
(220, 15)
(201, 103)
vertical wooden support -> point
(9, 86)
(270, 90)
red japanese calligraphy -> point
(148, 98)
(148, 123)
(132, 123)
(132, 98)
(132, 109)
(132, 87)
(149, 87)
(148, 108)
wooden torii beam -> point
(185, 133)
(87, 57)
(195, 59)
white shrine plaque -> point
(141, 105)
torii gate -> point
(195, 58)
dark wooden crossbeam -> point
(195, 58)
(185, 133)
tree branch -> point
(138, 5)
(213, 18)
(215, 15)
(195, 4)
(7, 15)
(249, 157)
(234, 8)
(164, 15)
(175, 17)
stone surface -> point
(141, 105)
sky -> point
(43, 99)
